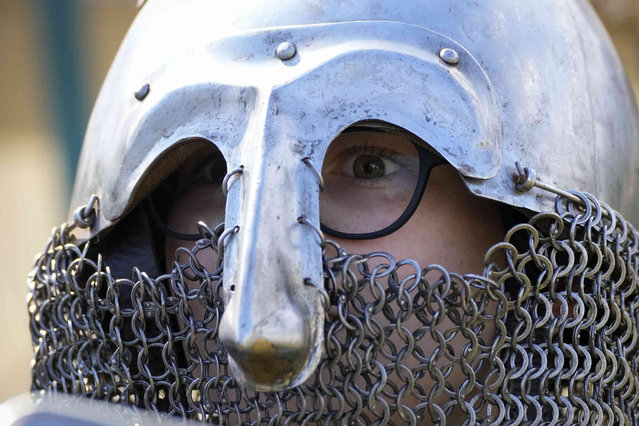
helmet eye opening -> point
(375, 174)
(204, 167)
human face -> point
(449, 227)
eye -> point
(210, 170)
(369, 181)
(368, 167)
(371, 161)
(360, 163)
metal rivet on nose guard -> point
(142, 92)
(450, 56)
(285, 50)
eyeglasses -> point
(197, 182)
(374, 179)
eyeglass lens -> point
(370, 179)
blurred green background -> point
(54, 55)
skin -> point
(451, 227)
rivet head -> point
(141, 93)
(450, 56)
(285, 51)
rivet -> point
(450, 56)
(142, 92)
(285, 51)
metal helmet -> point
(520, 98)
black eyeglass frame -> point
(427, 160)
(159, 223)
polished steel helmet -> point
(485, 84)
(519, 97)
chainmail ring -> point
(547, 334)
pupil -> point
(368, 167)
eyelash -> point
(370, 149)
(366, 148)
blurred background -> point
(54, 55)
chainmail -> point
(547, 334)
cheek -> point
(202, 203)
(450, 227)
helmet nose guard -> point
(273, 323)
(267, 338)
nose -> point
(272, 327)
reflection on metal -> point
(449, 56)
(225, 183)
(318, 174)
(85, 216)
(546, 334)
(218, 104)
(53, 408)
(286, 51)
(527, 180)
(141, 93)
(499, 104)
